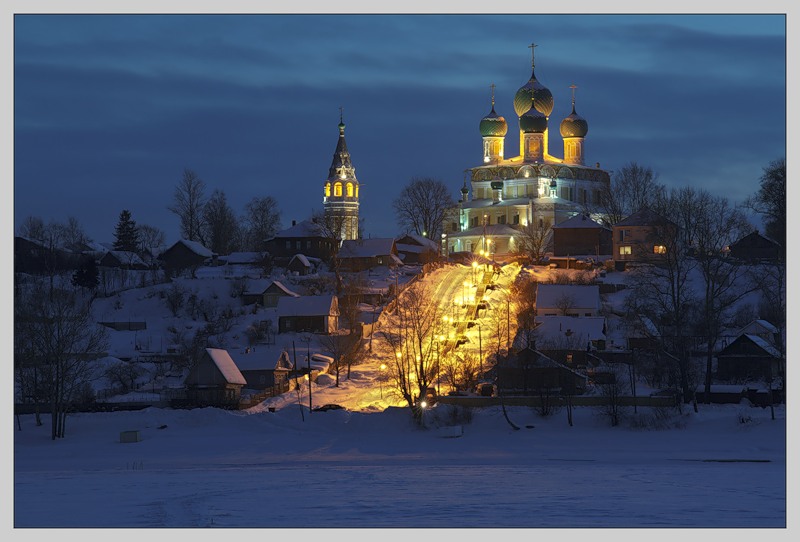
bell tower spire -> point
(341, 197)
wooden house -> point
(304, 237)
(122, 259)
(261, 370)
(266, 293)
(581, 236)
(300, 265)
(643, 237)
(316, 314)
(361, 254)
(749, 358)
(416, 249)
(186, 255)
(754, 247)
(530, 372)
(214, 380)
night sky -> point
(110, 109)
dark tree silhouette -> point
(126, 234)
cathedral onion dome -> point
(533, 89)
(574, 125)
(533, 122)
(493, 125)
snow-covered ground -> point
(723, 467)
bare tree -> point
(332, 228)
(56, 329)
(32, 228)
(150, 239)
(532, 240)
(662, 291)
(220, 226)
(726, 281)
(188, 202)
(341, 347)
(632, 188)
(422, 206)
(261, 221)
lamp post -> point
(474, 268)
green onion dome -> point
(533, 122)
(493, 125)
(574, 125)
(533, 89)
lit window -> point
(327, 190)
(349, 190)
(337, 190)
(625, 250)
(659, 249)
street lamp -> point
(474, 269)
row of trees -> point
(211, 221)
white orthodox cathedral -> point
(534, 188)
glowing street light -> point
(383, 371)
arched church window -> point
(337, 190)
(327, 190)
(356, 191)
(349, 190)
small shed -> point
(530, 372)
(581, 236)
(361, 254)
(300, 264)
(754, 247)
(316, 313)
(215, 380)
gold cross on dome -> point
(532, 46)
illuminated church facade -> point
(534, 188)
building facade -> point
(532, 188)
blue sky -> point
(110, 109)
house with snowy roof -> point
(749, 358)
(303, 237)
(302, 265)
(754, 247)
(247, 259)
(214, 380)
(567, 300)
(581, 236)
(361, 254)
(530, 371)
(186, 255)
(260, 368)
(416, 249)
(266, 292)
(313, 313)
(564, 332)
(122, 259)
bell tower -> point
(340, 197)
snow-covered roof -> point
(311, 305)
(253, 359)
(196, 247)
(549, 295)
(226, 366)
(758, 326)
(306, 228)
(579, 221)
(302, 259)
(642, 217)
(421, 241)
(366, 248)
(127, 257)
(257, 287)
(284, 289)
(589, 328)
(764, 345)
(243, 257)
